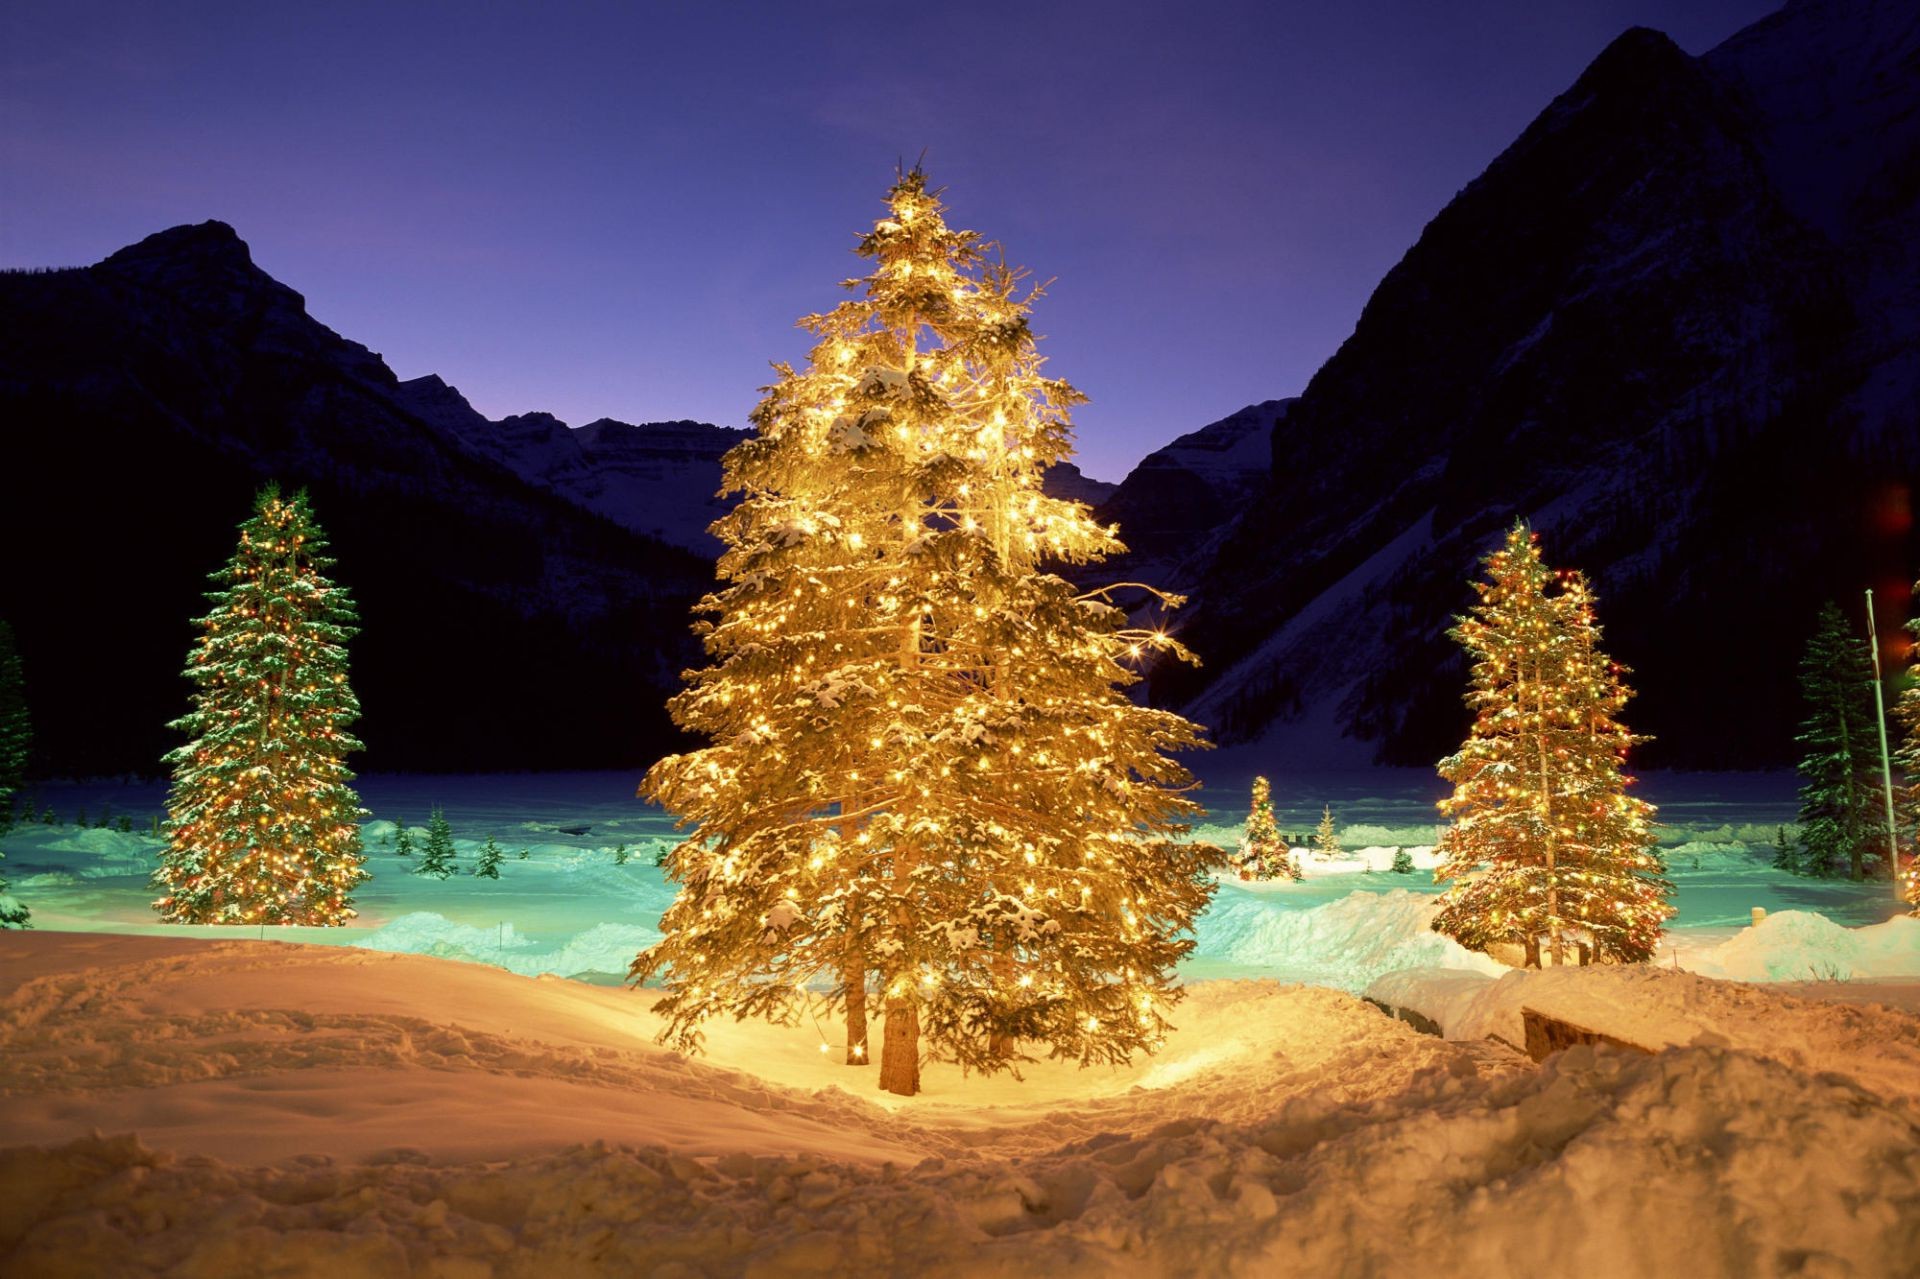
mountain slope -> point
(1632, 330)
(145, 398)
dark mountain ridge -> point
(147, 396)
(1632, 331)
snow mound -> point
(1345, 943)
(1800, 945)
(226, 1108)
(1661, 1008)
(604, 948)
(1712, 855)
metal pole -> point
(1886, 762)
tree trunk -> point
(1557, 947)
(855, 976)
(999, 1042)
(900, 1050)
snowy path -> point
(348, 1112)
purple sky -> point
(618, 209)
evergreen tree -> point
(13, 912)
(1906, 717)
(489, 867)
(1545, 843)
(402, 840)
(437, 857)
(924, 778)
(525, 853)
(1402, 862)
(1326, 841)
(1840, 805)
(16, 730)
(1265, 854)
(620, 855)
(263, 818)
(1786, 852)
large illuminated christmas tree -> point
(264, 824)
(1546, 848)
(925, 781)
(1841, 813)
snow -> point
(208, 1108)
(209, 1102)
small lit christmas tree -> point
(263, 820)
(437, 855)
(1326, 840)
(1841, 822)
(1264, 853)
(1545, 847)
(489, 863)
(925, 779)
(16, 730)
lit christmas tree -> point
(1326, 840)
(1264, 853)
(1841, 822)
(1545, 844)
(263, 819)
(925, 780)
(16, 731)
(437, 854)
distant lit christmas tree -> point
(1264, 852)
(1326, 840)
(925, 780)
(437, 854)
(1841, 815)
(263, 820)
(16, 730)
(1546, 848)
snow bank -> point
(1799, 945)
(1345, 943)
(604, 948)
(265, 1108)
(1660, 1008)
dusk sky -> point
(620, 209)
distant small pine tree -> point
(1840, 822)
(1402, 862)
(1786, 852)
(489, 867)
(525, 853)
(402, 841)
(620, 855)
(1326, 841)
(437, 857)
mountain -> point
(1174, 504)
(145, 397)
(661, 479)
(1676, 325)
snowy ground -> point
(569, 909)
(181, 1102)
(298, 1110)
